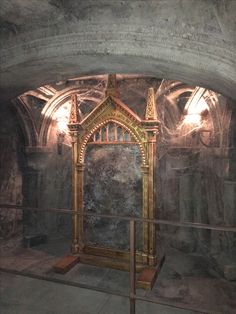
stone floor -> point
(186, 280)
(21, 295)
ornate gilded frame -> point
(111, 109)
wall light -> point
(60, 140)
(195, 112)
(61, 117)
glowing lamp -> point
(61, 118)
(195, 111)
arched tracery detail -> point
(111, 132)
(133, 138)
(59, 98)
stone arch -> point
(26, 122)
(50, 108)
(192, 42)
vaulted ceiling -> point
(52, 40)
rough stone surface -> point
(185, 280)
(230, 272)
(11, 177)
(188, 40)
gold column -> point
(74, 140)
(151, 197)
(80, 204)
(73, 126)
(145, 172)
(151, 126)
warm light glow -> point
(62, 118)
(194, 111)
(199, 107)
(61, 125)
(192, 119)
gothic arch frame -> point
(144, 133)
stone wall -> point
(11, 168)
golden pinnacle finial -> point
(112, 89)
(151, 111)
(74, 112)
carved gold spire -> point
(112, 89)
(74, 112)
(151, 111)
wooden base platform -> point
(148, 276)
(102, 261)
(66, 263)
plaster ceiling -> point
(51, 40)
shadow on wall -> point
(12, 163)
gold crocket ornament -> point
(112, 86)
(151, 111)
(74, 112)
